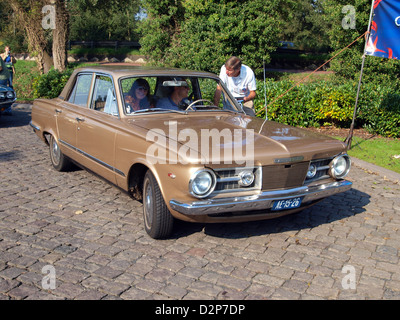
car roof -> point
(118, 71)
(128, 70)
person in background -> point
(9, 60)
(7, 72)
(240, 80)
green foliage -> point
(348, 64)
(51, 84)
(25, 74)
(331, 103)
(202, 36)
(98, 20)
(305, 25)
(379, 109)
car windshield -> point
(174, 94)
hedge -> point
(329, 103)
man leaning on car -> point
(240, 81)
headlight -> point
(2, 95)
(340, 166)
(312, 171)
(246, 178)
(10, 95)
(202, 183)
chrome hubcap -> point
(148, 206)
(55, 152)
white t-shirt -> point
(241, 85)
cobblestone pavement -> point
(89, 235)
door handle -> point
(80, 119)
(58, 111)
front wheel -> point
(158, 221)
(58, 160)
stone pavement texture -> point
(91, 235)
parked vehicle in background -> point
(7, 97)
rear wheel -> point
(58, 160)
(158, 221)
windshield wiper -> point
(155, 110)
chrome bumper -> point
(261, 201)
(34, 126)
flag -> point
(384, 39)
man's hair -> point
(233, 63)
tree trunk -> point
(30, 16)
(60, 35)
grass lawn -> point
(379, 151)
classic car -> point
(7, 97)
(198, 160)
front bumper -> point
(4, 104)
(262, 201)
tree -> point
(101, 20)
(161, 28)
(60, 35)
(202, 35)
(342, 32)
(305, 24)
(30, 15)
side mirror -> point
(249, 111)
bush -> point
(51, 84)
(379, 109)
(331, 103)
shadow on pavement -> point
(331, 209)
(21, 116)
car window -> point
(208, 87)
(80, 93)
(103, 99)
(159, 92)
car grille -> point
(284, 176)
(322, 169)
(274, 177)
(228, 180)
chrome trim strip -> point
(261, 201)
(33, 126)
(8, 101)
(93, 158)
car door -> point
(97, 129)
(69, 111)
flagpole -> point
(350, 136)
(265, 92)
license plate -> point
(286, 204)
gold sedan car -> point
(157, 134)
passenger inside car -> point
(138, 96)
(178, 97)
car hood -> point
(5, 88)
(221, 137)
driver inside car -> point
(177, 100)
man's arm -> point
(217, 95)
(251, 96)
